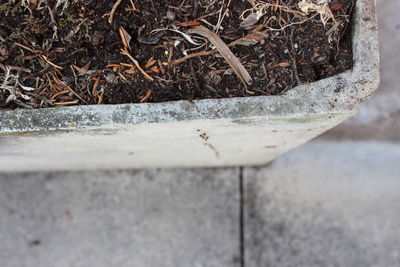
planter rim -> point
(338, 94)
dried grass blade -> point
(224, 50)
(187, 37)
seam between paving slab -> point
(241, 219)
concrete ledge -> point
(32, 139)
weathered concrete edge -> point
(342, 93)
(111, 127)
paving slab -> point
(153, 218)
(325, 204)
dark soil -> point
(45, 46)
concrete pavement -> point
(325, 204)
(157, 218)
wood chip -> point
(190, 23)
(224, 50)
(283, 64)
(69, 103)
(146, 97)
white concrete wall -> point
(193, 143)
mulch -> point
(74, 52)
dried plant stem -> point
(126, 53)
(114, 8)
(203, 53)
(193, 55)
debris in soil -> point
(75, 52)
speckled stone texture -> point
(168, 218)
(325, 204)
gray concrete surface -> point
(379, 118)
(325, 204)
(146, 218)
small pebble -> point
(149, 40)
(110, 77)
(170, 15)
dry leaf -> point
(307, 6)
(336, 6)
(83, 70)
(249, 21)
(252, 39)
(125, 37)
(33, 4)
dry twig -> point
(114, 8)
(126, 53)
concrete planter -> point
(224, 132)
